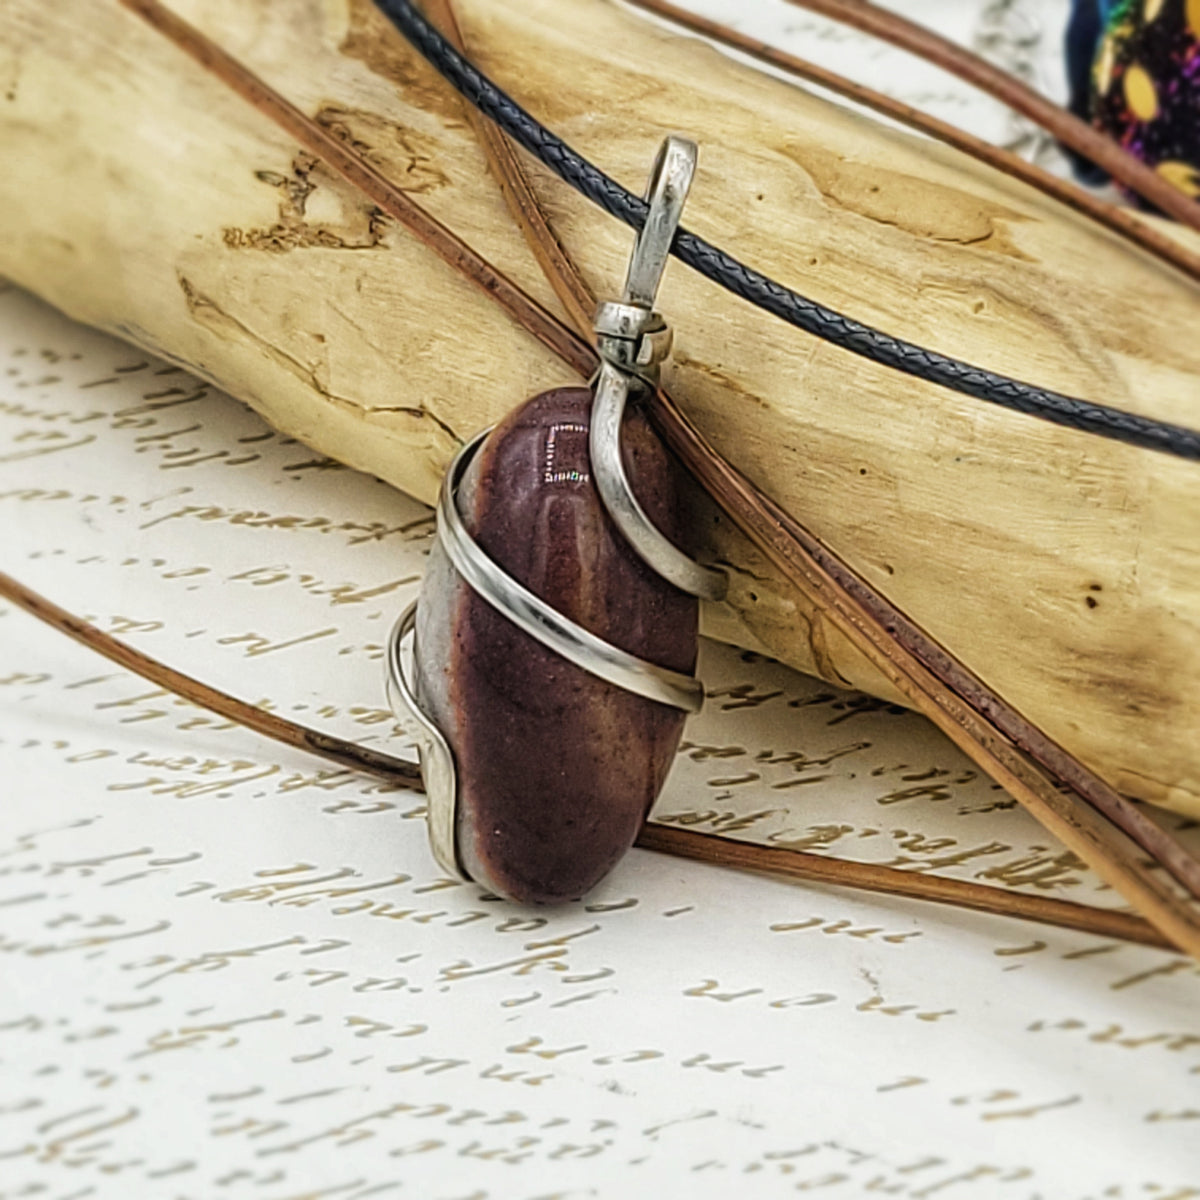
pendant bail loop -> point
(666, 194)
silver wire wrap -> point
(437, 759)
(538, 619)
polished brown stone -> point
(557, 769)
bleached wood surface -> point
(142, 197)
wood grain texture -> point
(1116, 216)
(1062, 570)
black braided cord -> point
(760, 290)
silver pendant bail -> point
(666, 194)
(633, 341)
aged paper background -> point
(231, 970)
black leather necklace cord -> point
(722, 268)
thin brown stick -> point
(1120, 220)
(898, 31)
(888, 881)
(968, 716)
(964, 709)
(557, 265)
(663, 839)
(345, 754)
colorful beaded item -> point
(1135, 74)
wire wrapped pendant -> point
(556, 631)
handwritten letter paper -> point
(232, 970)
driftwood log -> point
(141, 196)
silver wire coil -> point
(538, 619)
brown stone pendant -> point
(556, 767)
(557, 628)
